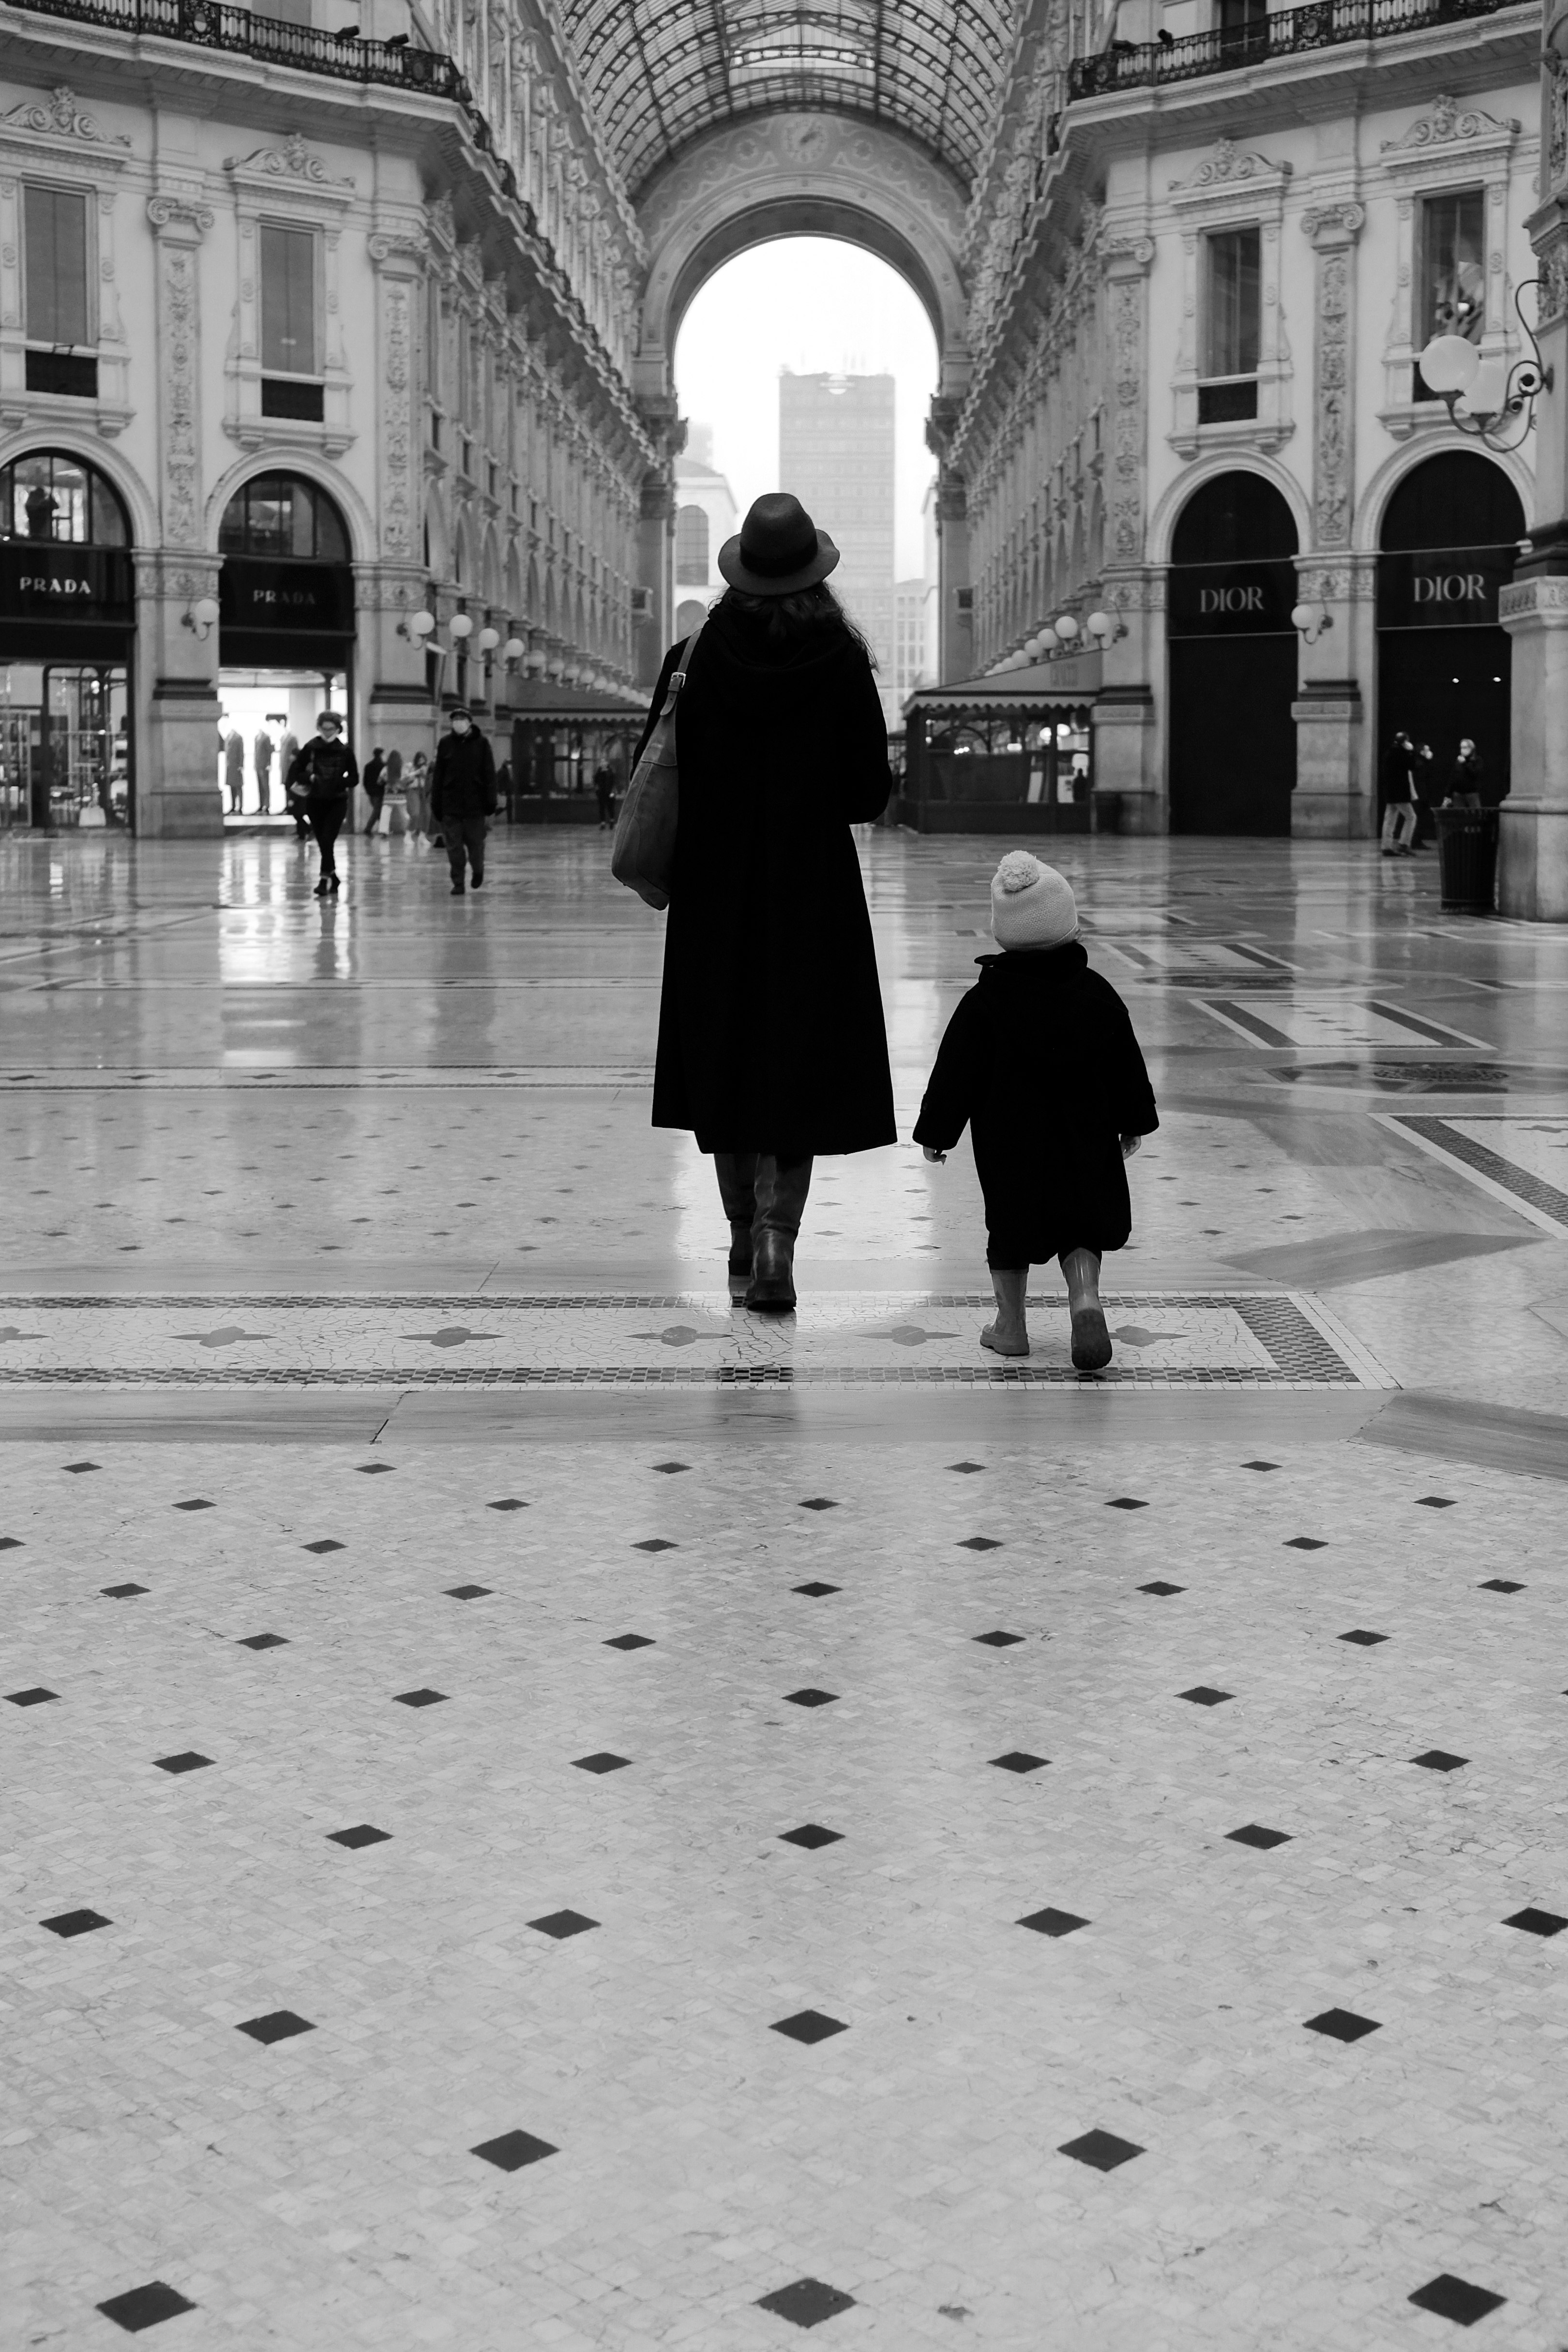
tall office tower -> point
(836, 453)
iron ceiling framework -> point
(660, 72)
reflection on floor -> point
(551, 1812)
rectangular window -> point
(289, 302)
(55, 237)
(1451, 285)
(1231, 306)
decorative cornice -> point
(1447, 124)
(1225, 167)
(60, 117)
(292, 161)
(180, 212)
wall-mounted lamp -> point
(1105, 628)
(533, 662)
(513, 650)
(1067, 628)
(202, 617)
(1311, 620)
(1480, 396)
(1049, 640)
(461, 628)
(417, 626)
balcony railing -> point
(1292, 32)
(211, 26)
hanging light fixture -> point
(459, 626)
(488, 640)
(1483, 399)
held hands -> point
(930, 1154)
(1130, 1144)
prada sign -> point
(41, 580)
(286, 599)
(1443, 587)
(1230, 600)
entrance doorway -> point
(65, 636)
(1448, 545)
(1230, 737)
(285, 635)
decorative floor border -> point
(1308, 1347)
(1541, 1202)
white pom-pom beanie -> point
(1032, 904)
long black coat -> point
(771, 1036)
(464, 777)
(1040, 1059)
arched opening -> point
(69, 626)
(1232, 659)
(285, 602)
(692, 547)
(777, 392)
(1448, 547)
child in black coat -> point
(1041, 1060)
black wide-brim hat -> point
(778, 549)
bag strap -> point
(677, 676)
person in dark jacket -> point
(1468, 786)
(324, 774)
(772, 1045)
(1040, 1059)
(463, 795)
(374, 782)
(1400, 802)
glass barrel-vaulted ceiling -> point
(659, 72)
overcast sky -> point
(807, 303)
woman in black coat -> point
(772, 1046)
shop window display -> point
(66, 754)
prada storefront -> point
(285, 632)
(67, 636)
(1448, 545)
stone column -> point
(1330, 802)
(1127, 742)
(177, 789)
(956, 594)
(395, 701)
(1533, 867)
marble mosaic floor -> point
(544, 1811)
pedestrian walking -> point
(374, 782)
(323, 775)
(416, 795)
(504, 789)
(261, 753)
(1401, 806)
(234, 770)
(604, 793)
(772, 1045)
(1040, 1061)
(463, 797)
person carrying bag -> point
(642, 857)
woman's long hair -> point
(788, 620)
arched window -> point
(1236, 517)
(692, 548)
(280, 516)
(1453, 499)
(49, 495)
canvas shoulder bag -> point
(644, 852)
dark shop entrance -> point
(1230, 737)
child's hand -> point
(1130, 1144)
(930, 1154)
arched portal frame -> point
(792, 175)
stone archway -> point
(795, 173)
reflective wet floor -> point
(547, 1811)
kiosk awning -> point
(567, 706)
(1039, 690)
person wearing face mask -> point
(323, 775)
(463, 794)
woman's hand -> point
(930, 1154)
(1130, 1144)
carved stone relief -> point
(61, 118)
(1333, 229)
(1128, 260)
(179, 221)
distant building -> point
(911, 664)
(705, 516)
(836, 453)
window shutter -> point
(55, 224)
(289, 302)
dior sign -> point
(1229, 600)
(1442, 588)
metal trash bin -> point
(1466, 859)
